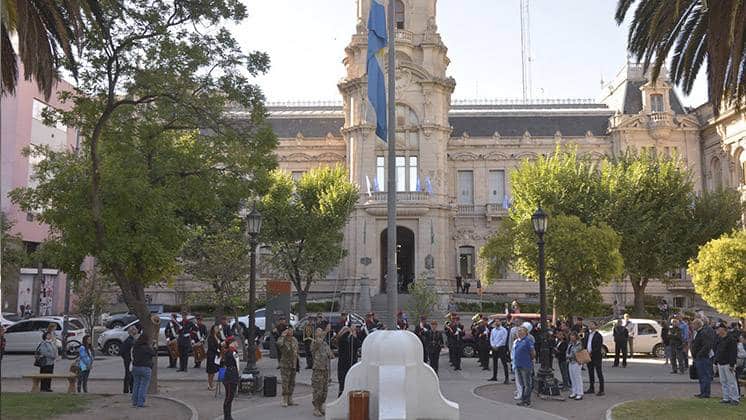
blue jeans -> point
(704, 372)
(527, 381)
(140, 382)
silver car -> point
(25, 335)
(110, 341)
(647, 337)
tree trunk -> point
(638, 286)
(302, 299)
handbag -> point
(693, 372)
(221, 374)
(583, 357)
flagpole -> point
(392, 289)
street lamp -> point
(253, 226)
(545, 377)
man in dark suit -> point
(704, 339)
(593, 342)
(620, 343)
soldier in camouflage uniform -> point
(322, 354)
(288, 346)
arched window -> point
(466, 262)
(740, 159)
(399, 14)
(716, 171)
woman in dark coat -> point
(348, 344)
(231, 379)
(213, 352)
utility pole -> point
(392, 280)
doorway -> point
(404, 259)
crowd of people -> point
(513, 341)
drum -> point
(173, 349)
(199, 352)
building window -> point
(717, 174)
(406, 173)
(656, 103)
(496, 183)
(414, 182)
(380, 180)
(401, 173)
(679, 302)
(466, 262)
(399, 14)
(297, 175)
(465, 187)
(740, 166)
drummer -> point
(199, 334)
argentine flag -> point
(376, 86)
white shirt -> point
(498, 337)
(590, 340)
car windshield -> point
(607, 327)
(75, 324)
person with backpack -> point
(85, 362)
(46, 355)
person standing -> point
(277, 332)
(458, 341)
(184, 341)
(701, 349)
(288, 350)
(575, 367)
(347, 343)
(142, 367)
(212, 354)
(172, 331)
(621, 335)
(459, 284)
(560, 352)
(676, 343)
(726, 355)
(322, 356)
(665, 339)
(85, 363)
(199, 334)
(231, 378)
(499, 345)
(686, 339)
(401, 322)
(309, 330)
(524, 356)
(125, 351)
(631, 331)
(47, 354)
(741, 359)
(421, 331)
(434, 342)
(593, 342)
(483, 342)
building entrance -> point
(404, 259)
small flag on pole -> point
(376, 188)
(376, 86)
(418, 184)
(367, 185)
(506, 202)
(428, 186)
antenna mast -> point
(526, 49)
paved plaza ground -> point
(644, 378)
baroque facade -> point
(453, 159)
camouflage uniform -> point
(288, 347)
(322, 354)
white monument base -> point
(401, 385)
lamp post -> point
(545, 376)
(253, 226)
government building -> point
(453, 164)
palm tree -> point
(48, 31)
(698, 31)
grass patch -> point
(16, 406)
(679, 409)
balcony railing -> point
(660, 119)
(469, 210)
(496, 210)
(401, 196)
(403, 35)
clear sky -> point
(574, 44)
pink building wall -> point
(17, 129)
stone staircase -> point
(379, 305)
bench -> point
(36, 380)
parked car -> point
(25, 336)
(647, 337)
(9, 318)
(120, 320)
(260, 319)
(110, 341)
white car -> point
(8, 318)
(25, 335)
(110, 341)
(260, 319)
(647, 337)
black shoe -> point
(492, 379)
(600, 393)
(506, 382)
(615, 365)
(171, 367)
(590, 391)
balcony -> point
(469, 210)
(496, 211)
(401, 197)
(680, 285)
(660, 124)
(404, 36)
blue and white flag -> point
(367, 185)
(506, 202)
(428, 185)
(376, 86)
(418, 188)
(375, 184)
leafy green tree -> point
(719, 273)
(13, 258)
(498, 252)
(303, 222)
(691, 33)
(422, 299)
(714, 214)
(90, 291)
(159, 153)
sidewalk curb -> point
(608, 412)
(191, 408)
(498, 403)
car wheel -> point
(72, 348)
(117, 324)
(469, 351)
(659, 351)
(112, 348)
(604, 352)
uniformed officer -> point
(322, 354)
(458, 342)
(288, 352)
